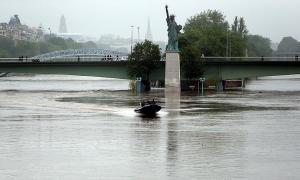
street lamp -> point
(138, 28)
(41, 32)
(49, 31)
(131, 41)
(227, 44)
(202, 79)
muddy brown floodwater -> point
(66, 127)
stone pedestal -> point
(172, 101)
(172, 73)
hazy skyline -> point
(270, 18)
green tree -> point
(237, 44)
(142, 61)
(89, 44)
(239, 26)
(207, 33)
(206, 19)
(11, 48)
(258, 46)
(204, 33)
(237, 37)
(4, 53)
(45, 47)
(210, 33)
(191, 63)
(26, 48)
(7, 46)
(235, 25)
(288, 45)
(57, 41)
(71, 44)
(242, 30)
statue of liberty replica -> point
(173, 31)
(172, 73)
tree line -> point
(17, 48)
(210, 34)
(289, 45)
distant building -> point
(149, 34)
(14, 21)
(117, 43)
(113, 42)
(74, 36)
(62, 25)
(16, 31)
(63, 32)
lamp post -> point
(202, 85)
(227, 45)
(41, 33)
(138, 29)
(131, 41)
(49, 31)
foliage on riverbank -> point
(142, 61)
(210, 34)
(11, 48)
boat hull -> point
(148, 109)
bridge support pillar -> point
(220, 85)
(172, 73)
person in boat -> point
(151, 102)
(148, 107)
(143, 103)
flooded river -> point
(68, 127)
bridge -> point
(246, 67)
(215, 67)
(113, 64)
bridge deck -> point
(214, 68)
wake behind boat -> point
(148, 108)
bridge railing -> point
(124, 58)
(9, 60)
(81, 52)
(262, 58)
(64, 59)
(82, 59)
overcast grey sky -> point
(271, 18)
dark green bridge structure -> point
(215, 68)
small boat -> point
(148, 108)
